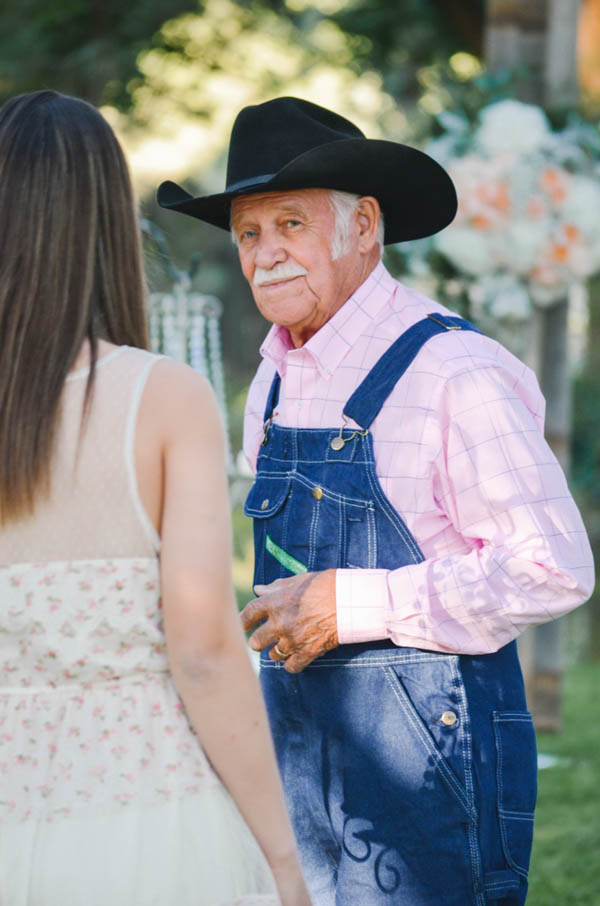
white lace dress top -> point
(105, 793)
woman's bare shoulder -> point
(177, 396)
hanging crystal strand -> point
(197, 334)
(154, 321)
(170, 341)
(185, 326)
(213, 313)
(180, 340)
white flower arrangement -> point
(528, 221)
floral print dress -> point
(106, 795)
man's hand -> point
(300, 617)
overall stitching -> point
(312, 534)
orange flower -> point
(559, 252)
(480, 222)
(535, 208)
(571, 232)
(553, 182)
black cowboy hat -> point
(288, 144)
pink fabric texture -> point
(460, 453)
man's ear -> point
(368, 214)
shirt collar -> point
(334, 340)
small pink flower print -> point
(118, 751)
(156, 708)
(52, 749)
(73, 731)
(171, 768)
(150, 586)
(135, 728)
(119, 585)
(84, 585)
(51, 654)
(84, 794)
(106, 734)
(48, 579)
(15, 581)
(193, 789)
(80, 661)
(44, 791)
(124, 798)
(98, 712)
(84, 746)
(6, 737)
(169, 730)
(130, 778)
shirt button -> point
(265, 503)
(449, 718)
(317, 493)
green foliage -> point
(565, 869)
(83, 47)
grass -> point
(565, 864)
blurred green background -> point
(170, 76)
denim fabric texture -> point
(410, 775)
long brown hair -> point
(70, 269)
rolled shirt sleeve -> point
(521, 556)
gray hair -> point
(343, 205)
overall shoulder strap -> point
(367, 400)
(272, 398)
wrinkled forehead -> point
(309, 201)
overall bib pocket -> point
(328, 530)
(266, 505)
(516, 774)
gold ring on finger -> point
(279, 652)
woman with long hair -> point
(136, 765)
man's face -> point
(284, 244)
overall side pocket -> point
(516, 777)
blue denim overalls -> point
(410, 775)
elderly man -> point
(409, 518)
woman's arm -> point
(207, 649)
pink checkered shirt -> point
(460, 453)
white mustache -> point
(278, 272)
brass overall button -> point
(265, 503)
(449, 718)
(317, 493)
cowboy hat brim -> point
(416, 195)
